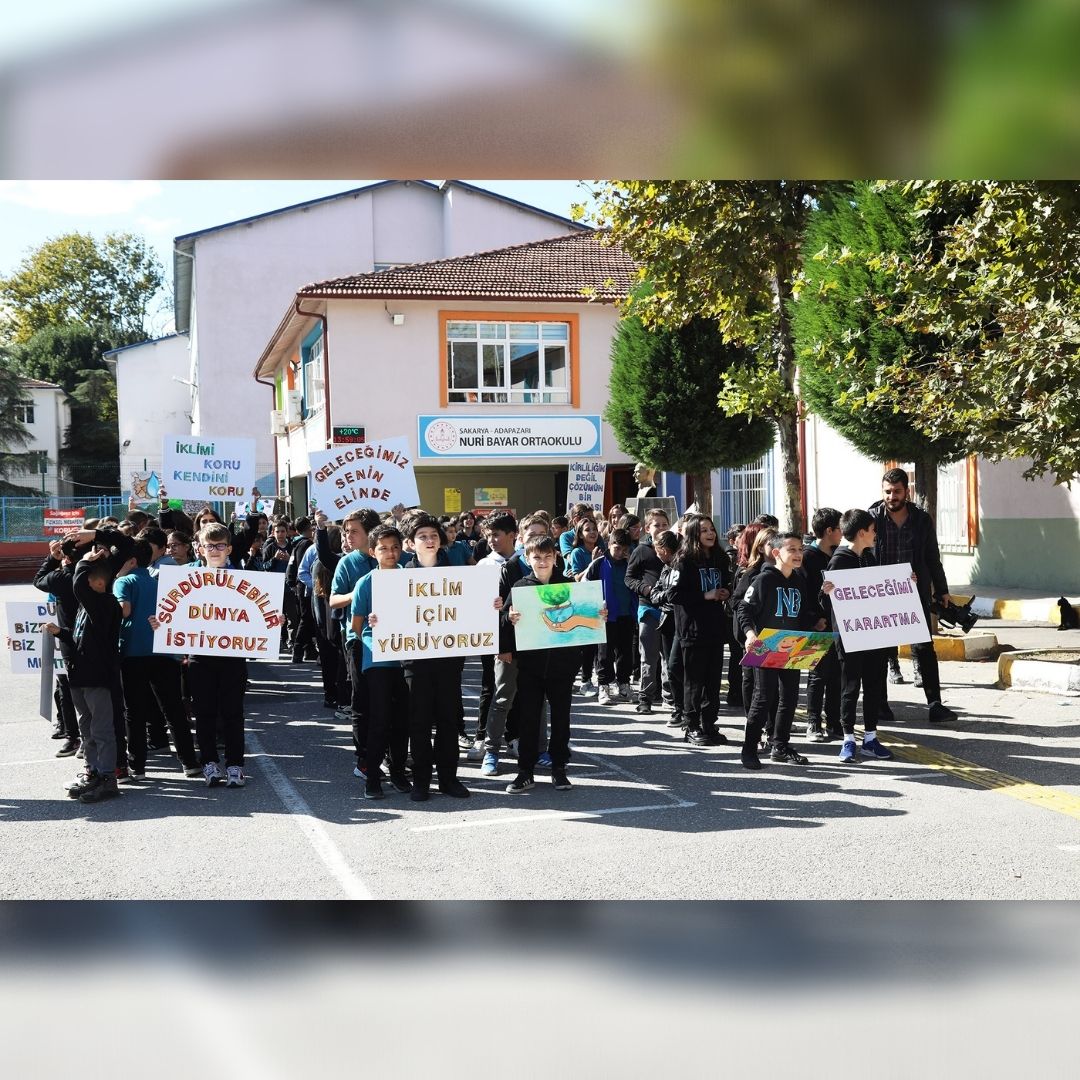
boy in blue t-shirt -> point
(388, 697)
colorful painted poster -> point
(491, 496)
(201, 467)
(205, 612)
(559, 616)
(378, 474)
(877, 607)
(585, 484)
(26, 633)
(428, 613)
(793, 649)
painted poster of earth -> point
(559, 616)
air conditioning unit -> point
(294, 406)
(277, 422)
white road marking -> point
(552, 815)
(353, 887)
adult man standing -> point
(906, 534)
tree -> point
(75, 278)
(662, 402)
(841, 295)
(13, 433)
(728, 251)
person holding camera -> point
(905, 533)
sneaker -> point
(455, 789)
(512, 748)
(847, 752)
(713, 737)
(873, 748)
(476, 751)
(137, 774)
(750, 759)
(68, 749)
(833, 731)
(643, 708)
(360, 770)
(491, 765)
(696, 737)
(815, 732)
(420, 794)
(519, 784)
(105, 789)
(544, 760)
(624, 691)
(400, 783)
(603, 696)
(121, 773)
(212, 773)
(464, 742)
(675, 720)
(940, 714)
(344, 715)
(83, 782)
(373, 789)
(896, 676)
(193, 770)
(787, 755)
(589, 689)
(559, 781)
(235, 776)
(329, 703)
(918, 679)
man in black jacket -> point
(906, 534)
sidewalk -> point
(1002, 602)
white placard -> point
(198, 467)
(205, 612)
(377, 474)
(585, 484)
(427, 613)
(877, 607)
(26, 628)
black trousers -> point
(672, 649)
(588, 662)
(66, 716)
(866, 671)
(304, 638)
(615, 658)
(703, 664)
(776, 693)
(388, 719)
(532, 689)
(434, 691)
(217, 688)
(926, 660)
(823, 689)
(487, 692)
(735, 673)
(151, 683)
(358, 697)
(329, 659)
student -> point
(614, 657)
(776, 600)
(701, 582)
(543, 674)
(823, 683)
(583, 549)
(642, 573)
(329, 636)
(666, 546)
(94, 667)
(151, 682)
(388, 694)
(179, 550)
(866, 669)
(757, 557)
(579, 513)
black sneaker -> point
(749, 759)
(559, 781)
(714, 737)
(643, 708)
(896, 676)
(83, 782)
(400, 783)
(68, 749)
(696, 737)
(106, 789)
(455, 789)
(815, 732)
(373, 789)
(940, 714)
(786, 754)
(420, 794)
(329, 703)
(676, 720)
(519, 784)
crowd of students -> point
(678, 600)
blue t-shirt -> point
(350, 569)
(459, 553)
(579, 560)
(139, 589)
(566, 541)
(361, 605)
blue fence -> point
(21, 517)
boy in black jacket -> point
(55, 577)
(94, 665)
(776, 600)
(867, 668)
(823, 683)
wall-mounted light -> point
(396, 317)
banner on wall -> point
(377, 474)
(198, 467)
(877, 607)
(585, 484)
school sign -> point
(509, 436)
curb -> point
(1025, 671)
(970, 647)
(1043, 609)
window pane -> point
(555, 331)
(524, 367)
(521, 331)
(555, 366)
(493, 365)
(492, 330)
(460, 330)
(463, 364)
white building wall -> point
(837, 474)
(52, 418)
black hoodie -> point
(776, 603)
(698, 619)
(551, 662)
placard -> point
(798, 650)
(61, 522)
(376, 474)
(206, 612)
(26, 621)
(559, 616)
(427, 613)
(585, 484)
(198, 467)
(877, 607)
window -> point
(953, 517)
(314, 387)
(745, 492)
(24, 412)
(508, 363)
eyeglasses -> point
(215, 547)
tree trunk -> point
(926, 484)
(791, 518)
(701, 485)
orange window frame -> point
(571, 319)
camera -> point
(950, 615)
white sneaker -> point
(512, 747)
(604, 696)
(235, 777)
(624, 691)
(588, 689)
(476, 751)
(212, 773)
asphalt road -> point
(986, 808)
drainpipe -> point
(326, 366)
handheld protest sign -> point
(431, 612)
(26, 633)
(793, 649)
(877, 607)
(198, 467)
(559, 616)
(206, 612)
(377, 474)
(585, 484)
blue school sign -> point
(509, 436)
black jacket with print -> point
(698, 619)
(776, 602)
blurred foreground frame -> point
(769, 88)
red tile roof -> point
(37, 384)
(564, 268)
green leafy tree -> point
(662, 402)
(729, 251)
(106, 283)
(841, 295)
